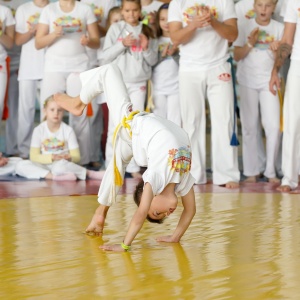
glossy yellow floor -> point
(239, 246)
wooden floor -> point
(242, 244)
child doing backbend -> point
(153, 142)
(54, 151)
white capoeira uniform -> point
(154, 142)
(49, 142)
(291, 108)
(7, 20)
(165, 86)
(253, 74)
(30, 75)
(140, 62)
(204, 71)
(64, 60)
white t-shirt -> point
(207, 48)
(100, 9)
(165, 149)
(7, 19)
(165, 74)
(57, 142)
(254, 70)
(67, 54)
(292, 15)
(32, 60)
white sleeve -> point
(36, 137)
(174, 12)
(241, 39)
(71, 138)
(229, 10)
(291, 15)
(20, 21)
(44, 17)
(9, 18)
(91, 18)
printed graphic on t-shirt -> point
(264, 40)
(69, 24)
(180, 159)
(33, 20)
(98, 12)
(162, 47)
(198, 9)
(250, 14)
(52, 145)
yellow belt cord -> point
(118, 179)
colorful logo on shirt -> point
(52, 145)
(224, 77)
(98, 12)
(180, 160)
(264, 39)
(33, 20)
(162, 47)
(198, 9)
(69, 24)
(250, 14)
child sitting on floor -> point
(154, 142)
(54, 151)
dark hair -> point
(158, 29)
(137, 195)
(146, 30)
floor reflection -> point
(239, 246)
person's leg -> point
(261, 152)
(270, 115)
(28, 169)
(27, 99)
(221, 101)
(80, 124)
(173, 109)
(249, 112)
(160, 105)
(11, 127)
(96, 127)
(3, 83)
(10, 167)
(192, 86)
(291, 132)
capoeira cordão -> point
(154, 142)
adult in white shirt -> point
(203, 32)
(290, 44)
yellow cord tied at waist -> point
(118, 179)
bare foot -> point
(274, 180)
(136, 175)
(251, 179)
(284, 188)
(96, 226)
(71, 104)
(232, 185)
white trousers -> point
(137, 94)
(108, 78)
(70, 83)
(27, 99)
(254, 103)
(11, 126)
(10, 167)
(167, 106)
(194, 86)
(291, 132)
(32, 170)
(3, 83)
